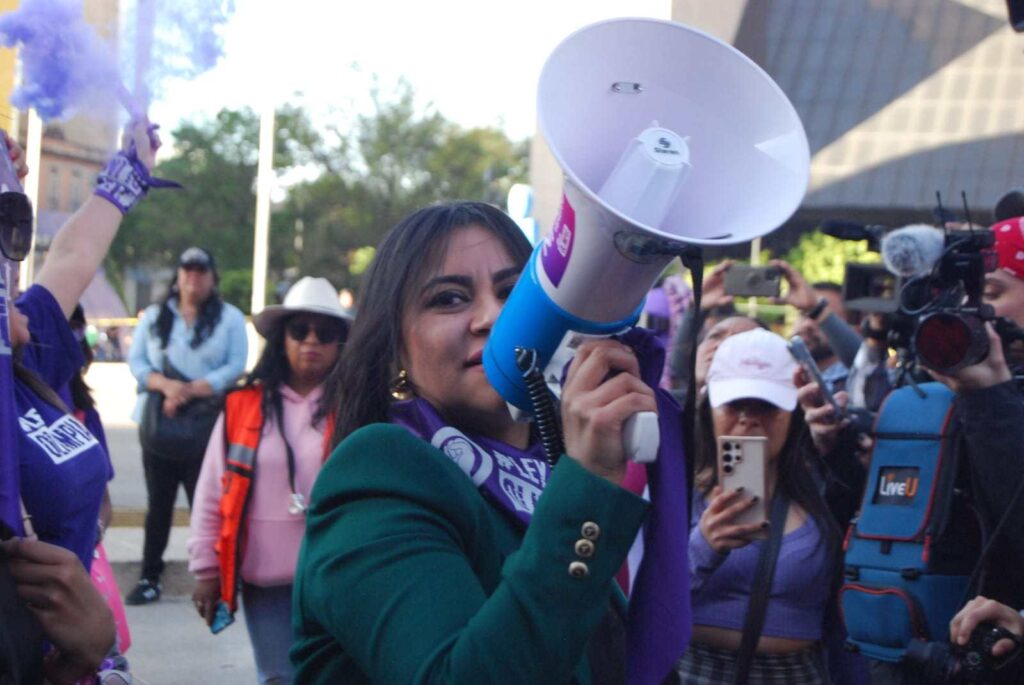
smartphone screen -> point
(742, 462)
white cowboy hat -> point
(312, 295)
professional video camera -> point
(941, 662)
(938, 313)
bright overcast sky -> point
(476, 61)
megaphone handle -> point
(641, 438)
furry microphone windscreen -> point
(913, 249)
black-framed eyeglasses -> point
(15, 225)
(326, 332)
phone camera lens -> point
(727, 468)
(727, 457)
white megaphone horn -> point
(667, 137)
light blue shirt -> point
(219, 360)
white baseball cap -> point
(756, 365)
(312, 295)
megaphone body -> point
(667, 137)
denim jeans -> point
(268, 616)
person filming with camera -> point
(981, 437)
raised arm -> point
(83, 241)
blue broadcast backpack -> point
(915, 542)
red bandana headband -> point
(1010, 246)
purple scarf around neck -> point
(511, 478)
(659, 617)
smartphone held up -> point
(742, 463)
(744, 280)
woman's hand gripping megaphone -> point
(603, 393)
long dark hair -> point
(793, 472)
(81, 393)
(358, 390)
(36, 384)
(272, 370)
(209, 313)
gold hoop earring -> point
(401, 387)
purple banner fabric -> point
(10, 504)
(659, 617)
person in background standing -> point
(189, 347)
(266, 451)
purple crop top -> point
(720, 583)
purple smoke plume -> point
(184, 38)
(66, 65)
(64, 61)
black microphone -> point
(851, 230)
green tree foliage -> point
(394, 162)
(823, 258)
(361, 181)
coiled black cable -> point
(545, 415)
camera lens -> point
(727, 457)
(727, 468)
(947, 341)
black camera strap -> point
(693, 259)
(762, 588)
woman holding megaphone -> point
(440, 545)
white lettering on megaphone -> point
(564, 240)
(561, 236)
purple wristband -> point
(125, 181)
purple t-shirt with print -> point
(10, 509)
(64, 469)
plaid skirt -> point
(703, 665)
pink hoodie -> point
(272, 536)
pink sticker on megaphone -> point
(557, 249)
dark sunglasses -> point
(326, 333)
(15, 225)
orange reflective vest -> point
(243, 427)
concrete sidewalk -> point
(170, 642)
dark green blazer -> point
(408, 575)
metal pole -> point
(264, 185)
(755, 260)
